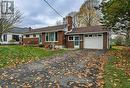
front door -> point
(76, 42)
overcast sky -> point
(38, 14)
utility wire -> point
(56, 11)
(52, 8)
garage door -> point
(93, 41)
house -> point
(94, 37)
(46, 36)
(13, 36)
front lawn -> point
(11, 56)
(117, 69)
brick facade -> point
(30, 41)
(105, 40)
(60, 41)
(62, 35)
(63, 40)
(70, 44)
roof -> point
(85, 30)
(47, 29)
(18, 30)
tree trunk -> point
(0, 37)
(128, 37)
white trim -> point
(87, 33)
(45, 31)
(69, 37)
(78, 46)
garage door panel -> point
(93, 42)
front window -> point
(5, 37)
(51, 37)
(15, 37)
(74, 38)
(70, 38)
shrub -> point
(127, 41)
(41, 45)
(119, 40)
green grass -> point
(115, 78)
(116, 48)
(14, 55)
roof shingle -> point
(18, 30)
(47, 29)
(92, 29)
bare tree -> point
(9, 21)
(88, 15)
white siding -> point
(9, 37)
(31, 36)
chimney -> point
(30, 29)
(69, 23)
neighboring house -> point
(13, 36)
(94, 37)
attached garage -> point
(94, 37)
(93, 41)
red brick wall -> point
(30, 40)
(105, 40)
(43, 38)
(82, 42)
(70, 44)
(61, 38)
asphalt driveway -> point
(75, 69)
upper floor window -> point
(15, 37)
